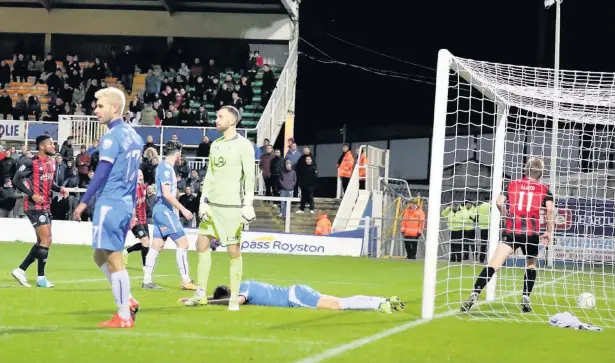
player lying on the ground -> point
(302, 296)
(115, 183)
(526, 197)
(227, 195)
(140, 230)
(167, 224)
(35, 179)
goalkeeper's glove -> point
(247, 214)
(204, 211)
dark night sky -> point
(498, 31)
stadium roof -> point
(171, 6)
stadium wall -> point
(145, 23)
(80, 233)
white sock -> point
(120, 284)
(105, 269)
(150, 264)
(181, 257)
(361, 302)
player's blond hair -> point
(534, 168)
(115, 97)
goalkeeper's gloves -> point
(247, 214)
(204, 211)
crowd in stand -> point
(170, 89)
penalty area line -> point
(358, 343)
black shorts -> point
(527, 243)
(140, 231)
(39, 217)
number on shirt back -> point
(132, 158)
(525, 203)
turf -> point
(59, 325)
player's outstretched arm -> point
(24, 172)
(241, 300)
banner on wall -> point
(80, 233)
(12, 130)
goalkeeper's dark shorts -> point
(527, 243)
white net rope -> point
(582, 258)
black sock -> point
(483, 278)
(43, 253)
(528, 281)
(136, 247)
(144, 252)
(30, 258)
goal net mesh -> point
(528, 100)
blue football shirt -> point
(165, 174)
(122, 147)
(259, 293)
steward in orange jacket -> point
(344, 166)
(323, 226)
(362, 169)
(412, 227)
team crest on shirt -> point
(231, 239)
(22, 167)
(219, 161)
(42, 218)
(167, 174)
(107, 143)
(141, 233)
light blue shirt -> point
(165, 174)
(121, 146)
(259, 293)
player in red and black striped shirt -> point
(526, 198)
(140, 230)
(35, 179)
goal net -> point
(489, 119)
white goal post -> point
(489, 118)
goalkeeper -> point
(226, 203)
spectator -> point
(263, 148)
(277, 168)
(265, 166)
(149, 143)
(190, 202)
(34, 107)
(8, 165)
(456, 217)
(345, 163)
(5, 74)
(268, 85)
(194, 181)
(83, 166)
(182, 169)
(204, 148)
(54, 111)
(323, 226)
(174, 143)
(49, 65)
(469, 231)
(483, 213)
(246, 93)
(201, 118)
(185, 118)
(6, 105)
(35, 68)
(99, 71)
(21, 108)
(93, 148)
(169, 119)
(79, 95)
(66, 93)
(24, 157)
(126, 66)
(135, 107)
(66, 150)
(257, 151)
(307, 183)
(362, 168)
(300, 166)
(198, 95)
(287, 180)
(293, 155)
(149, 165)
(237, 102)
(412, 228)
(95, 160)
(148, 115)
(61, 172)
(20, 69)
(152, 85)
(8, 198)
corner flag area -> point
(59, 324)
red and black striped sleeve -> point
(24, 172)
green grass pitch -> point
(59, 325)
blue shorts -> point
(166, 224)
(110, 227)
(301, 296)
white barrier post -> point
(287, 218)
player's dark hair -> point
(41, 139)
(222, 292)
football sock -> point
(42, 255)
(30, 258)
(150, 264)
(136, 247)
(361, 302)
(144, 252)
(105, 269)
(528, 281)
(203, 272)
(120, 284)
(236, 272)
(483, 278)
(181, 257)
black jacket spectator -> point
(5, 74)
(6, 105)
(67, 151)
(204, 149)
(8, 198)
(8, 167)
(185, 118)
(183, 169)
(308, 177)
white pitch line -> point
(16, 284)
(358, 343)
(136, 333)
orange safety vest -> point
(362, 162)
(323, 226)
(413, 223)
(345, 168)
